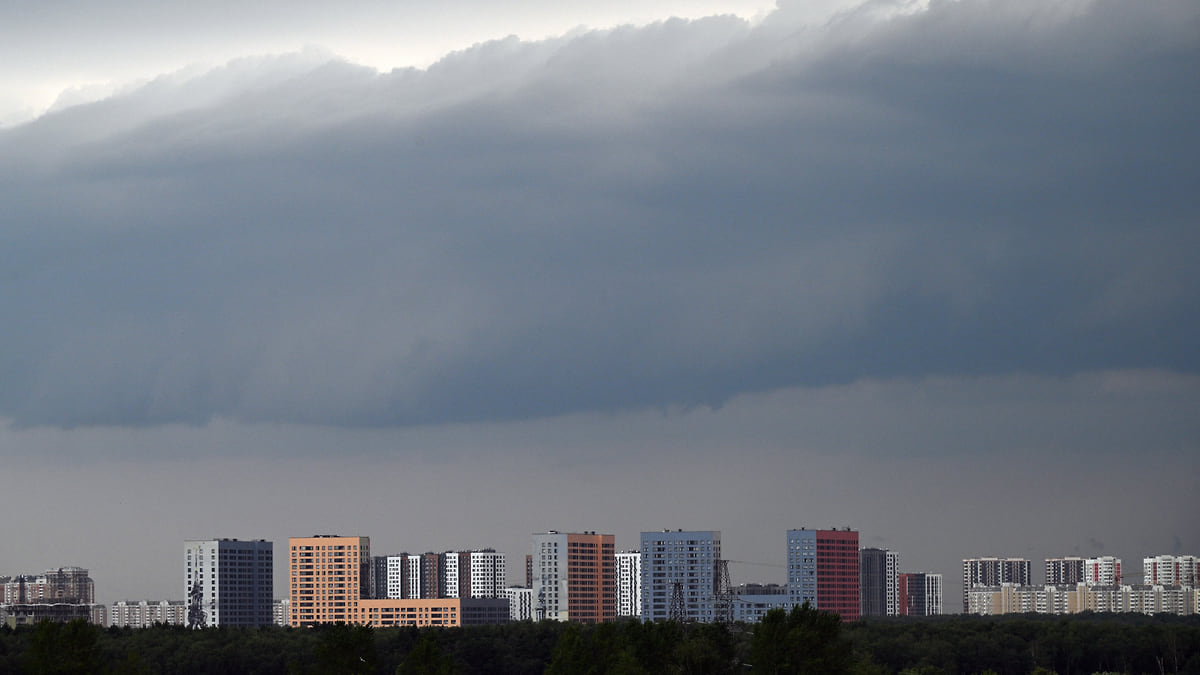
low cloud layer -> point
(637, 218)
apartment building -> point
(329, 582)
(679, 574)
(574, 576)
(878, 582)
(228, 582)
(823, 570)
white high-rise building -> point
(489, 574)
(228, 582)
(413, 576)
(629, 583)
(450, 576)
(1102, 571)
(1170, 570)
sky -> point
(447, 274)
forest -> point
(801, 641)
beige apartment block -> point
(327, 583)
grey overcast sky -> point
(446, 274)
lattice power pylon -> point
(677, 610)
(723, 596)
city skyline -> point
(921, 269)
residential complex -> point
(678, 574)
(1171, 570)
(675, 575)
(145, 613)
(329, 580)
(993, 572)
(70, 585)
(1065, 599)
(228, 582)
(574, 576)
(453, 574)
(1102, 571)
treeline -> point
(800, 641)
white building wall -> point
(933, 594)
(1102, 571)
(395, 576)
(520, 603)
(489, 574)
(414, 576)
(892, 581)
(550, 576)
(450, 562)
(629, 583)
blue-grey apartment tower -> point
(679, 565)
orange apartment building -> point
(574, 576)
(327, 583)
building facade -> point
(920, 594)
(1102, 571)
(574, 576)
(679, 569)
(629, 583)
(146, 613)
(992, 572)
(520, 603)
(70, 585)
(1068, 570)
(228, 582)
(488, 574)
(1067, 599)
(1171, 570)
(329, 578)
(878, 582)
(823, 570)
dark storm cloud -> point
(657, 216)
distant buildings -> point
(145, 613)
(1064, 570)
(228, 582)
(878, 582)
(574, 576)
(453, 574)
(1094, 585)
(993, 572)
(62, 594)
(1065, 599)
(70, 585)
(823, 570)
(329, 582)
(1101, 571)
(678, 574)
(1170, 570)
(920, 594)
